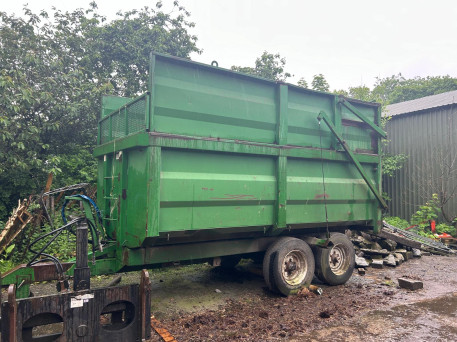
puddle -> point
(428, 320)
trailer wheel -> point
(334, 265)
(293, 265)
(268, 263)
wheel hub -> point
(291, 265)
(339, 259)
(294, 267)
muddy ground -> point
(203, 303)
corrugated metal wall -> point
(429, 139)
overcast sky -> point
(351, 42)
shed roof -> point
(423, 103)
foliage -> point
(5, 261)
(63, 247)
(55, 67)
(319, 83)
(397, 222)
(424, 228)
(426, 212)
(396, 88)
(445, 228)
(410, 89)
(269, 66)
(391, 162)
(302, 83)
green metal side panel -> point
(348, 197)
(355, 132)
(195, 100)
(202, 190)
(303, 128)
(136, 198)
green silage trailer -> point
(211, 164)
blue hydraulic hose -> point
(97, 211)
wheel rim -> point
(339, 259)
(294, 268)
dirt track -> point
(200, 303)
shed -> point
(425, 130)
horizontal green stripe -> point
(212, 118)
(227, 204)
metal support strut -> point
(351, 155)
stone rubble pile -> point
(377, 252)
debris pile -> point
(378, 252)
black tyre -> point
(230, 261)
(293, 265)
(334, 265)
(268, 262)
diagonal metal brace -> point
(362, 117)
(354, 159)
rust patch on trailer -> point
(125, 257)
(319, 196)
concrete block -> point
(390, 260)
(409, 255)
(377, 263)
(410, 284)
(361, 262)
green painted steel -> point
(354, 159)
(218, 153)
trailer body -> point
(211, 155)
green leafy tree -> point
(341, 92)
(53, 73)
(396, 88)
(362, 93)
(302, 83)
(269, 66)
(384, 88)
(320, 83)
